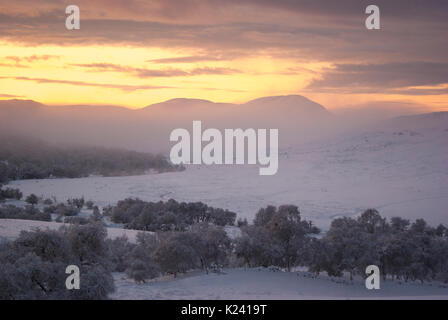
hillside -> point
(431, 120)
(261, 283)
(399, 172)
(30, 158)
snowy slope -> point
(258, 283)
(399, 172)
(254, 284)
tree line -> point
(22, 158)
(401, 249)
(166, 215)
(33, 266)
(278, 236)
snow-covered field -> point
(252, 284)
(399, 172)
(10, 229)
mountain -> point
(19, 104)
(297, 118)
(422, 121)
(148, 128)
(294, 103)
(179, 103)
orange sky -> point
(145, 52)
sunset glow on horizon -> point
(148, 52)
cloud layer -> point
(241, 49)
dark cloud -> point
(152, 73)
(32, 58)
(17, 61)
(139, 72)
(393, 77)
(212, 71)
(4, 95)
(308, 29)
(13, 65)
(184, 11)
(123, 87)
(193, 59)
(223, 89)
(420, 91)
(429, 9)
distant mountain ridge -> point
(298, 100)
(421, 121)
(147, 129)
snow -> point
(240, 283)
(399, 172)
(11, 228)
(253, 284)
(401, 169)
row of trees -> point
(402, 250)
(28, 212)
(22, 158)
(10, 193)
(165, 216)
(33, 266)
(277, 237)
(65, 212)
(205, 247)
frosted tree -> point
(32, 199)
(214, 245)
(176, 254)
(140, 270)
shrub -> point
(32, 199)
(89, 204)
(10, 193)
(140, 270)
(66, 211)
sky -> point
(134, 53)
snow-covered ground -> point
(240, 283)
(399, 172)
(10, 229)
(252, 284)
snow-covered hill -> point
(253, 284)
(400, 172)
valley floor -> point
(399, 173)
